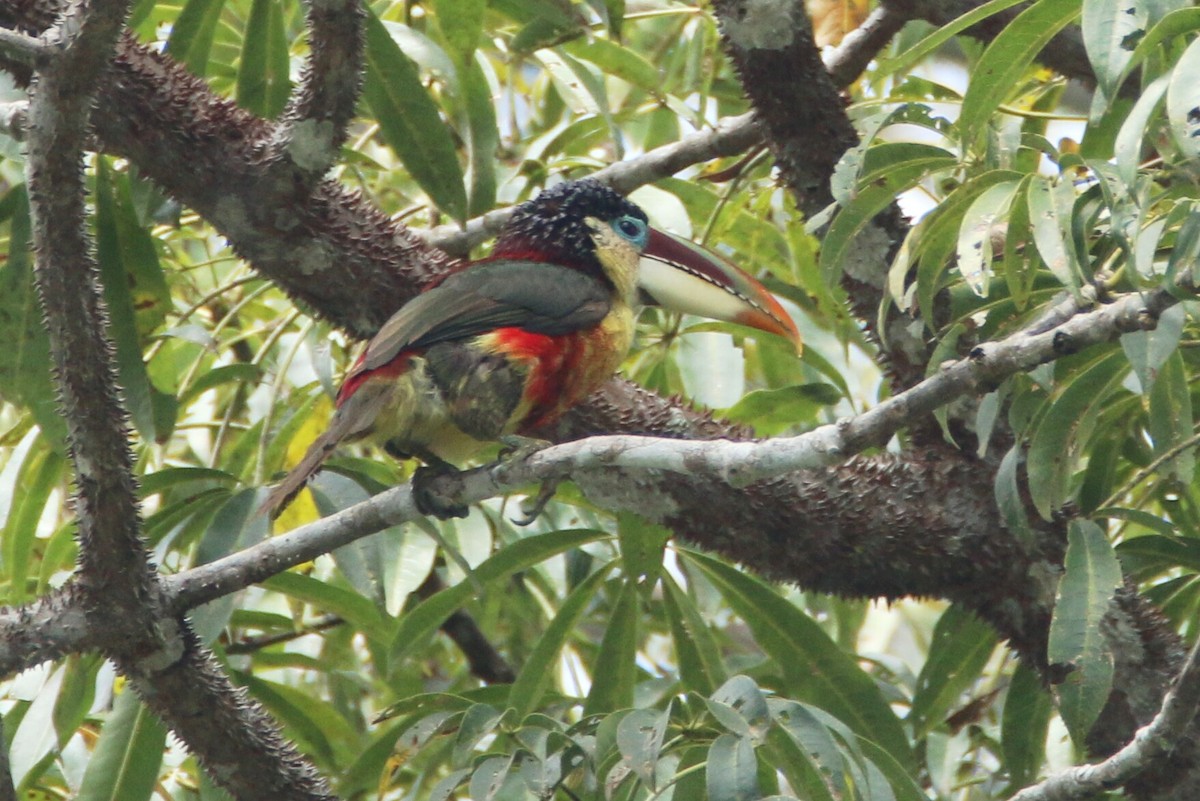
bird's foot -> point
(515, 448)
(426, 495)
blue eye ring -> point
(633, 229)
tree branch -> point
(308, 140)
(27, 50)
(122, 600)
(637, 458)
(49, 628)
(1150, 744)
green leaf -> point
(356, 610)
(941, 35)
(1177, 23)
(615, 670)
(1023, 725)
(1127, 149)
(741, 696)
(263, 84)
(315, 723)
(732, 769)
(899, 786)
(1006, 60)
(25, 364)
(536, 674)
(121, 240)
(980, 226)
(700, 667)
(490, 777)
(1148, 351)
(640, 737)
(1111, 31)
(933, 240)
(814, 667)
(958, 653)
(479, 721)
(1051, 204)
(124, 766)
(1008, 495)
(1054, 448)
(424, 619)
(1171, 418)
(461, 24)
(798, 767)
(1183, 101)
(483, 138)
(192, 34)
(876, 193)
(40, 474)
(642, 546)
(1181, 264)
(618, 61)
(1085, 591)
(773, 411)
(410, 122)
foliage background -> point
(643, 668)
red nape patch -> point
(356, 379)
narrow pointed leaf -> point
(1183, 101)
(1053, 449)
(1084, 593)
(192, 34)
(1023, 725)
(1006, 59)
(124, 766)
(961, 647)
(539, 668)
(263, 84)
(410, 122)
(980, 228)
(429, 614)
(696, 651)
(1111, 30)
(815, 668)
(615, 670)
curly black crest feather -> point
(552, 224)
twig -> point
(1151, 742)
(848, 60)
(28, 50)
(1150, 469)
(252, 644)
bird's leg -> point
(516, 448)
(425, 495)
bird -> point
(508, 343)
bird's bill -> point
(684, 277)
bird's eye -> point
(631, 228)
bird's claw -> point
(514, 448)
(531, 512)
(429, 501)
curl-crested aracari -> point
(510, 342)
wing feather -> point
(487, 296)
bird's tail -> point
(353, 419)
(296, 479)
